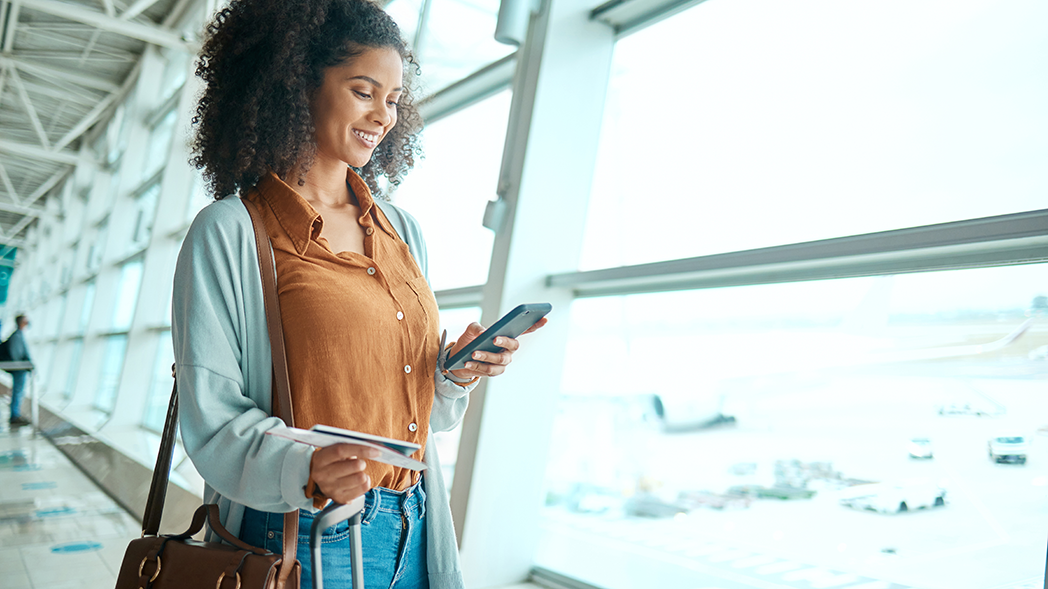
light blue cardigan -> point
(225, 370)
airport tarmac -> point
(991, 534)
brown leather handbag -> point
(180, 562)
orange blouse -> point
(361, 331)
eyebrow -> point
(375, 82)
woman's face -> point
(357, 105)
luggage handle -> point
(329, 516)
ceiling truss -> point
(64, 66)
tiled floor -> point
(57, 530)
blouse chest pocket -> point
(425, 299)
(417, 305)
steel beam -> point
(12, 24)
(63, 74)
(35, 152)
(30, 110)
(24, 211)
(137, 8)
(9, 185)
(134, 30)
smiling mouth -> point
(369, 138)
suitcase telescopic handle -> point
(329, 516)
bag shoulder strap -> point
(281, 383)
(281, 406)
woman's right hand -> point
(338, 471)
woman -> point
(305, 107)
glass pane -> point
(450, 210)
(160, 387)
(159, 144)
(144, 217)
(85, 309)
(127, 295)
(714, 437)
(455, 321)
(798, 121)
(112, 365)
(74, 369)
(458, 40)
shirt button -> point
(400, 315)
(371, 271)
(412, 427)
(407, 369)
(369, 230)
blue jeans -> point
(18, 378)
(393, 532)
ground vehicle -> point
(920, 448)
(1009, 448)
(894, 497)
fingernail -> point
(476, 355)
(500, 341)
(471, 366)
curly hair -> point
(262, 62)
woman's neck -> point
(326, 183)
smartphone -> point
(512, 324)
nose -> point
(383, 114)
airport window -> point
(76, 347)
(836, 429)
(117, 132)
(126, 295)
(145, 214)
(450, 207)
(456, 40)
(159, 144)
(198, 197)
(109, 378)
(98, 247)
(160, 384)
(801, 121)
(455, 321)
(176, 69)
(86, 306)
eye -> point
(363, 95)
(393, 103)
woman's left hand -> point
(488, 363)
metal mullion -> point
(1019, 238)
(481, 84)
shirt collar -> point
(300, 221)
(294, 214)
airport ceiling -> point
(64, 66)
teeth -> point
(367, 136)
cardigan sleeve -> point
(224, 375)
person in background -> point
(18, 352)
